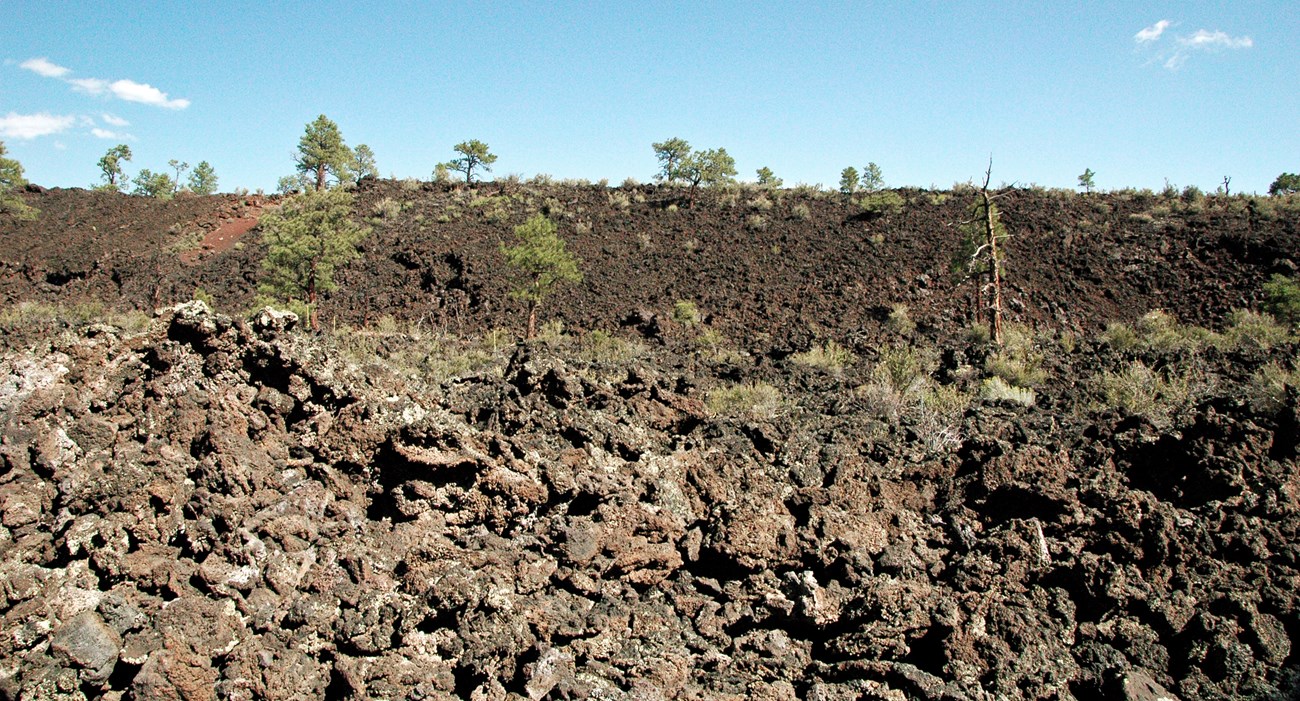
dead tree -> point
(984, 254)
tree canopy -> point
(849, 180)
(1285, 184)
(541, 256)
(474, 155)
(767, 178)
(11, 179)
(672, 154)
(322, 152)
(709, 167)
(307, 238)
(1086, 180)
(363, 164)
(150, 184)
(203, 179)
(110, 167)
(872, 178)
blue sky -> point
(1140, 92)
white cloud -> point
(1174, 56)
(115, 135)
(122, 89)
(1215, 40)
(94, 86)
(1151, 33)
(113, 120)
(30, 126)
(132, 91)
(43, 66)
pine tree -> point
(307, 239)
(111, 168)
(474, 154)
(1086, 182)
(849, 180)
(363, 164)
(872, 178)
(672, 154)
(541, 256)
(1285, 184)
(11, 179)
(322, 153)
(709, 167)
(151, 184)
(766, 178)
(203, 181)
(180, 167)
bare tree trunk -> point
(995, 268)
(532, 320)
(311, 299)
(995, 259)
(320, 177)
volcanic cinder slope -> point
(213, 507)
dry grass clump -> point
(752, 399)
(900, 320)
(14, 317)
(1138, 390)
(1250, 329)
(1018, 362)
(619, 200)
(407, 351)
(1266, 391)
(387, 208)
(1159, 332)
(604, 347)
(997, 389)
(829, 356)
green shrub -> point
(203, 296)
(1282, 298)
(801, 212)
(904, 368)
(604, 347)
(947, 401)
(686, 313)
(978, 334)
(756, 222)
(551, 332)
(1120, 336)
(884, 202)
